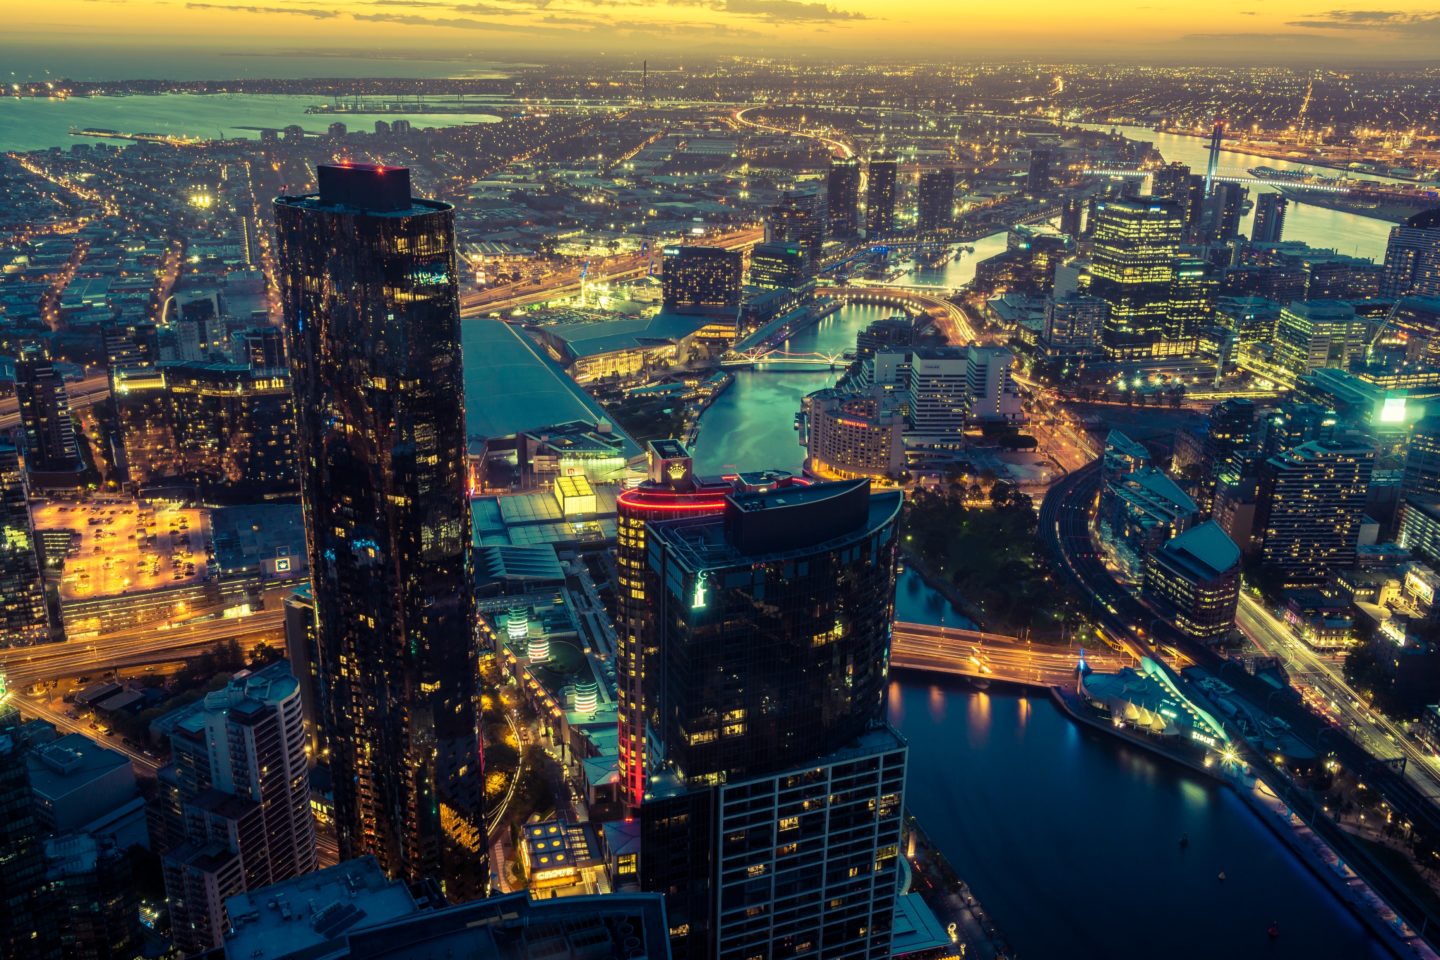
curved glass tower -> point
(368, 280)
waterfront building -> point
(1222, 212)
(24, 614)
(842, 198)
(798, 217)
(1312, 498)
(1037, 176)
(1269, 225)
(855, 434)
(1132, 270)
(891, 333)
(51, 451)
(1412, 257)
(1193, 582)
(368, 279)
(352, 910)
(1171, 181)
(671, 490)
(1073, 322)
(777, 265)
(939, 396)
(1318, 333)
(1422, 459)
(777, 818)
(1027, 264)
(935, 199)
(989, 383)
(242, 796)
(881, 194)
(704, 280)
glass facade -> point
(880, 196)
(842, 197)
(368, 280)
(1132, 269)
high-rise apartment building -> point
(50, 446)
(670, 491)
(798, 217)
(1037, 177)
(881, 194)
(776, 821)
(241, 790)
(368, 279)
(935, 199)
(842, 198)
(1072, 326)
(24, 617)
(1132, 269)
(705, 280)
(1412, 257)
(1311, 501)
(1193, 581)
(1269, 225)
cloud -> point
(787, 11)
(298, 11)
(1191, 38)
(1368, 20)
(452, 23)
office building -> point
(671, 490)
(1073, 323)
(777, 819)
(881, 194)
(1222, 212)
(1422, 460)
(262, 349)
(22, 921)
(81, 787)
(200, 327)
(853, 434)
(703, 280)
(935, 199)
(798, 217)
(240, 803)
(777, 265)
(842, 198)
(1192, 301)
(91, 899)
(1139, 512)
(1171, 181)
(368, 279)
(1231, 439)
(1420, 528)
(939, 396)
(1132, 270)
(1250, 320)
(989, 383)
(1311, 501)
(24, 615)
(130, 345)
(1316, 334)
(1037, 177)
(1269, 225)
(1193, 582)
(1072, 217)
(50, 445)
(1412, 257)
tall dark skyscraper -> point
(23, 615)
(880, 197)
(798, 217)
(1072, 216)
(1037, 178)
(1412, 257)
(775, 819)
(50, 445)
(1269, 226)
(1222, 212)
(936, 201)
(842, 197)
(368, 280)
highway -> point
(991, 656)
(738, 116)
(565, 282)
(1323, 681)
(81, 393)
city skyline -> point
(1288, 32)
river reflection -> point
(1071, 839)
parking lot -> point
(127, 546)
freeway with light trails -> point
(992, 656)
(570, 281)
(81, 393)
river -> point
(1317, 226)
(37, 124)
(1069, 839)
